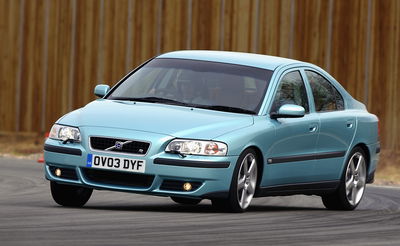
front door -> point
(290, 157)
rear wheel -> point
(352, 185)
(243, 184)
(185, 201)
(70, 195)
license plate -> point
(116, 163)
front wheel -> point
(70, 195)
(243, 184)
(352, 185)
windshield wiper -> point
(151, 100)
(174, 102)
(226, 108)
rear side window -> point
(326, 96)
(291, 90)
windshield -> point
(211, 85)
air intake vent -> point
(118, 178)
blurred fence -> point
(53, 52)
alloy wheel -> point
(247, 179)
(355, 178)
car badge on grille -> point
(118, 145)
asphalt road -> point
(28, 216)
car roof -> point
(239, 58)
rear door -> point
(337, 127)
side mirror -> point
(101, 90)
(289, 111)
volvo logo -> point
(118, 145)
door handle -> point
(313, 128)
(349, 124)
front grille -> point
(118, 178)
(177, 185)
(119, 145)
(66, 173)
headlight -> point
(196, 147)
(65, 133)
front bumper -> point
(164, 175)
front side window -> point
(202, 84)
(291, 90)
(326, 96)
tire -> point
(352, 184)
(70, 195)
(186, 201)
(243, 184)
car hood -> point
(176, 121)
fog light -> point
(58, 172)
(187, 186)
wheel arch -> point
(260, 166)
(364, 147)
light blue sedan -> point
(216, 125)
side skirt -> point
(315, 188)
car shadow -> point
(201, 208)
(266, 208)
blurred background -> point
(53, 52)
